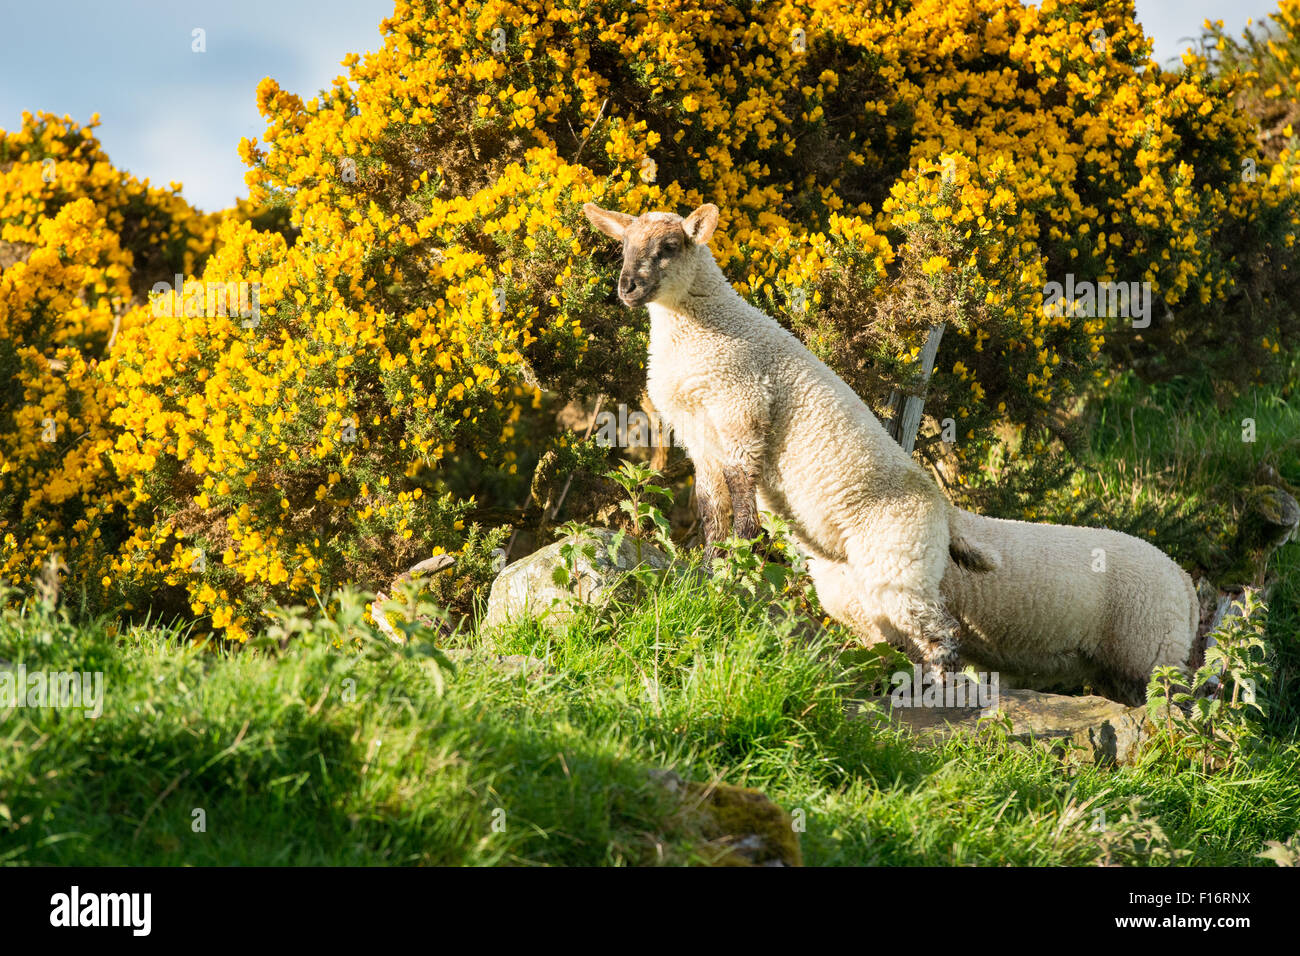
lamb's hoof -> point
(942, 658)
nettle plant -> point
(647, 522)
(1212, 721)
(638, 482)
(770, 572)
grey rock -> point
(1084, 729)
(528, 588)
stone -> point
(528, 587)
(1084, 729)
(12, 253)
(741, 827)
(429, 566)
(1270, 517)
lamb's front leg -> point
(744, 506)
(713, 503)
(722, 492)
(726, 442)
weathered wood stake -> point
(904, 423)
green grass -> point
(1179, 442)
(343, 749)
(417, 769)
(1179, 445)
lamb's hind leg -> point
(905, 599)
(932, 631)
(922, 630)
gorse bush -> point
(76, 238)
(1264, 63)
(424, 276)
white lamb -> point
(768, 424)
(761, 415)
(1067, 606)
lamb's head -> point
(661, 251)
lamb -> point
(1061, 607)
(1068, 606)
(768, 425)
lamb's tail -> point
(967, 553)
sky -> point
(173, 115)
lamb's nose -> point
(626, 285)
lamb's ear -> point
(612, 224)
(700, 224)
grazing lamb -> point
(767, 423)
(1068, 606)
(1060, 607)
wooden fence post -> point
(905, 410)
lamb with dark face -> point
(769, 426)
(767, 423)
(658, 247)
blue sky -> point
(173, 115)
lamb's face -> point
(656, 259)
(661, 250)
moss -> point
(749, 828)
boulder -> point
(1270, 517)
(1085, 728)
(741, 827)
(528, 587)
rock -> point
(528, 586)
(1085, 729)
(428, 566)
(741, 827)
(1270, 518)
